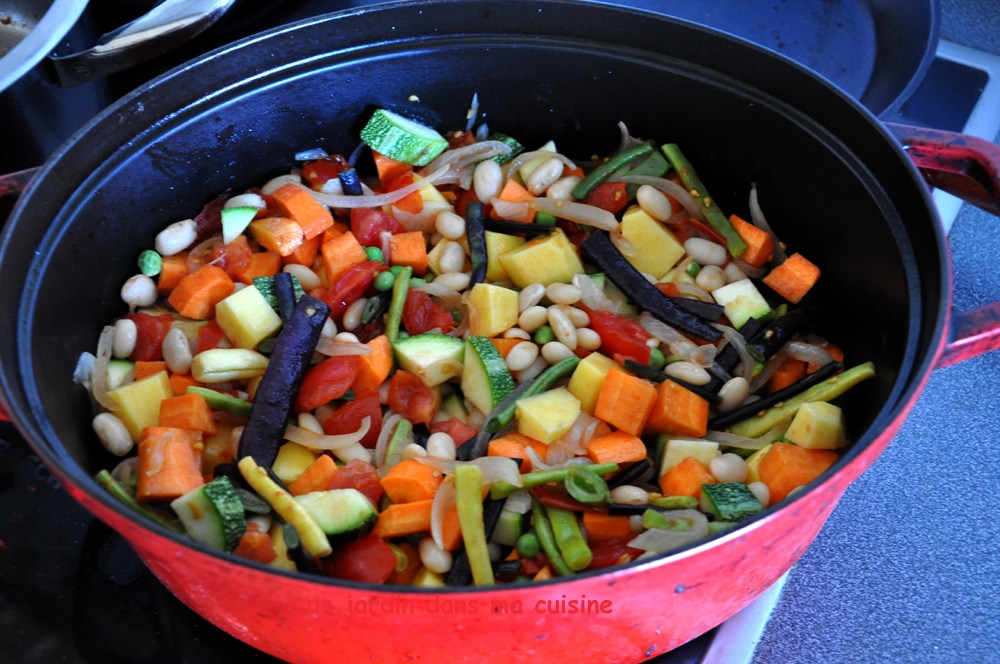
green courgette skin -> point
(279, 387)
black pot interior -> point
(830, 182)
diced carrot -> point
(409, 249)
(306, 253)
(412, 202)
(625, 401)
(678, 412)
(169, 463)
(686, 478)
(835, 351)
(388, 168)
(543, 574)
(173, 269)
(410, 480)
(143, 369)
(514, 445)
(333, 232)
(218, 449)
(788, 372)
(788, 466)
(316, 477)
(374, 367)
(793, 278)
(262, 264)
(515, 193)
(180, 382)
(577, 171)
(504, 345)
(404, 577)
(760, 244)
(341, 253)
(256, 545)
(616, 447)
(451, 531)
(296, 202)
(197, 294)
(603, 526)
(188, 411)
(281, 235)
(401, 519)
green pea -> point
(693, 269)
(545, 218)
(374, 254)
(528, 545)
(384, 281)
(656, 359)
(544, 335)
(150, 263)
(395, 270)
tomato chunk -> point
(350, 286)
(612, 551)
(409, 397)
(150, 331)
(349, 416)
(328, 380)
(620, 335)
(358, 475)
(367, 559)
(368, 225)
(319, 172)
(459, 431)
(422, 314)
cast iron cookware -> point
(832, 181)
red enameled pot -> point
(832, 180)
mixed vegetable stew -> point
(450, 359)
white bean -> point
(307, 278)
(577, 316)
(561, 188)
(734, 273)
(522, 356)
(352, 315)
(705, 252)
(487, 180)
(457, 281)
(433, 557)
(587, 338)
(628, 494)
(441, 445)
(329, 329)
(412, 451)
(248, 199)
(452, 258)
(113, 434)
(532, 318)
(544, 175)
(516, 333)
(560, 293)
(126, 334)
(177, 351)
(274, 184)
(346, 336)
(762, 493)
(710, 277)
(176, 237)
(654, 202)
(529, 296)
(449, 224)
(562, 327)
(689, 372)
(733, 392)
(728, 467)
(556, 351)
(139, 291)
(537, 367)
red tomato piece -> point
(620, 335)
(327, 381)
(610, 196)
(256, 545)
(368, 225)
(150, 331)
(319, 172)
(412, 202)
(559, 499)
(209, 336)
(233, 257)
(348, 417)
(358, 475)
(367, 559)
(350, 286)
(409, 397)
(422, 314)
(611, 552)
(459, 431)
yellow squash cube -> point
(587, 379)
(292, 461)
(657, 250)
(544, 260)
(140, 402)
(548, 415)
(497, 244)
(676, 451)
(247, 318)
(818, 425)
(492, 309)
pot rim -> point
(40, 41)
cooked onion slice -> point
(444, 500)
(670, 188)
(456, 160)
(811, 353)
(382, 444)
(330, 347)
(758, 220)
(318, 441)
(660, 540)
(520, 160)
(593, 296)
(376, 200)
(679, 345)
(736, 340)
(99, 379)
(588, 215)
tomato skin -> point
(358, 475)
(209, 336)
(348, 418)
(559, 499)
(327, 381)
(412, 202)
(459, 431)
(620, 335)
(367, 559)
(611, 552)
(209, 220)
(150, 331)
(422, 314)
(319, 172)
(350, 286)
(368, 224)
(409, 397)
(610, 196)
(233, 257)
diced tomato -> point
(350, 286)
(412, 203)
(348, 418)
(612, 551)
(559, 499)
(460, 139)
(209, 336)
(466, 196)
(327, 381)
(233, 257)
(422, 314)
(256, 545)
(358, 475)
(610, 196)
(367, 559)
(368, 225)
(620, 335)
(409, 397)
(685, 228)
(459, 431)
(150, 331)
(319, 172)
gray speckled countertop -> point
(907, 568)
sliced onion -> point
(770, 367)
(376, 200)
(331, 347)
(382, 443)
(198, 255)
(592, 296)
(511, 210)
(626, 248)
(449, 295)
(311, 155)
(494, 468)
(125, 469)
(99, 379)
(758, 220)
(735, 440)
(444, 500)
(422, 221)
(695, 292)
(627, 140)
(736, 340)
(670, 188)
(678, 344)
(588, 215)
(536, 460)
(520, 160)
(811, 353)
(84, 369)
(459, 158)
(318, 441)
(750, 270)
(661, 540)
(573, 442)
